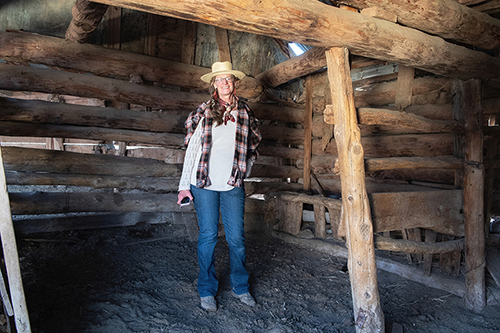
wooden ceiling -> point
(438, 36)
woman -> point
(222, 139)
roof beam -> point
(445, 18)
(317, 24)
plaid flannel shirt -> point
(247, 140)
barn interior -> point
(378, 117)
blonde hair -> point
(216, 111)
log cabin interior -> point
(379, 124)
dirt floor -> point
(143, 279)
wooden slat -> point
(189, 42)
(223, 44)
(11, 258)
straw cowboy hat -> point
(219, 68)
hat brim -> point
(207, 77)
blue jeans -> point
(232, 206)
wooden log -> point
(52, 203)
(279, 113)
(276, 171)
(33, 111)
(429, 145)
(451, 285)
(415, 247)
(11, 257)
(94, 221)
(283, 135)
(265, 149)
(10, 128)
(405, 87)
(308, 135)
(65, 83)
(95, 181)
(426, 90)
(356, 207)
(102, 61)
(40, 160)
(408, 121)
(490, 7)
(475, 298)
(445, 18)
(86, 17)
(331, 203)
(323, 25)
(307, 63)
(443, 162)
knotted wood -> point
(356, 207)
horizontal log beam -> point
(52, 51)
(94, 181)
(41, 160)
(441, 162)
(445, 18)
(409, 121)
(306, 63)
(41, 112)
(10, 128)
(429, 145)
(407, 246)
(317, 24)
(20, 78)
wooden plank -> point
(11, 258)
(449, 263)
(405, 87)
(437, 210)
(359, 33)
(189, 42)
(430, 237)
(113, 28)
(319, 221)
(151, 38)
(290, 216)
(368, 314)
(308, 134)
(415, 235)
(222, 44)
(86, 17)
(103, 61)
(475, 298)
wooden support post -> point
(368, 313)
(308, 134)
(475, 297)
(11, 258)
(405, 87)
(222, 44)
(189, 42)
(319, 221)
(430, 237)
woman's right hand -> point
(182, 194)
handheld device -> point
(185, 201)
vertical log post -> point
(404, 90)
(368, 313)
(308, 134)
(189, 42)
(475, 297)
(223, 44)
(11, 258)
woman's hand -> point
(182, 194)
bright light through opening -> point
(296, 49)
